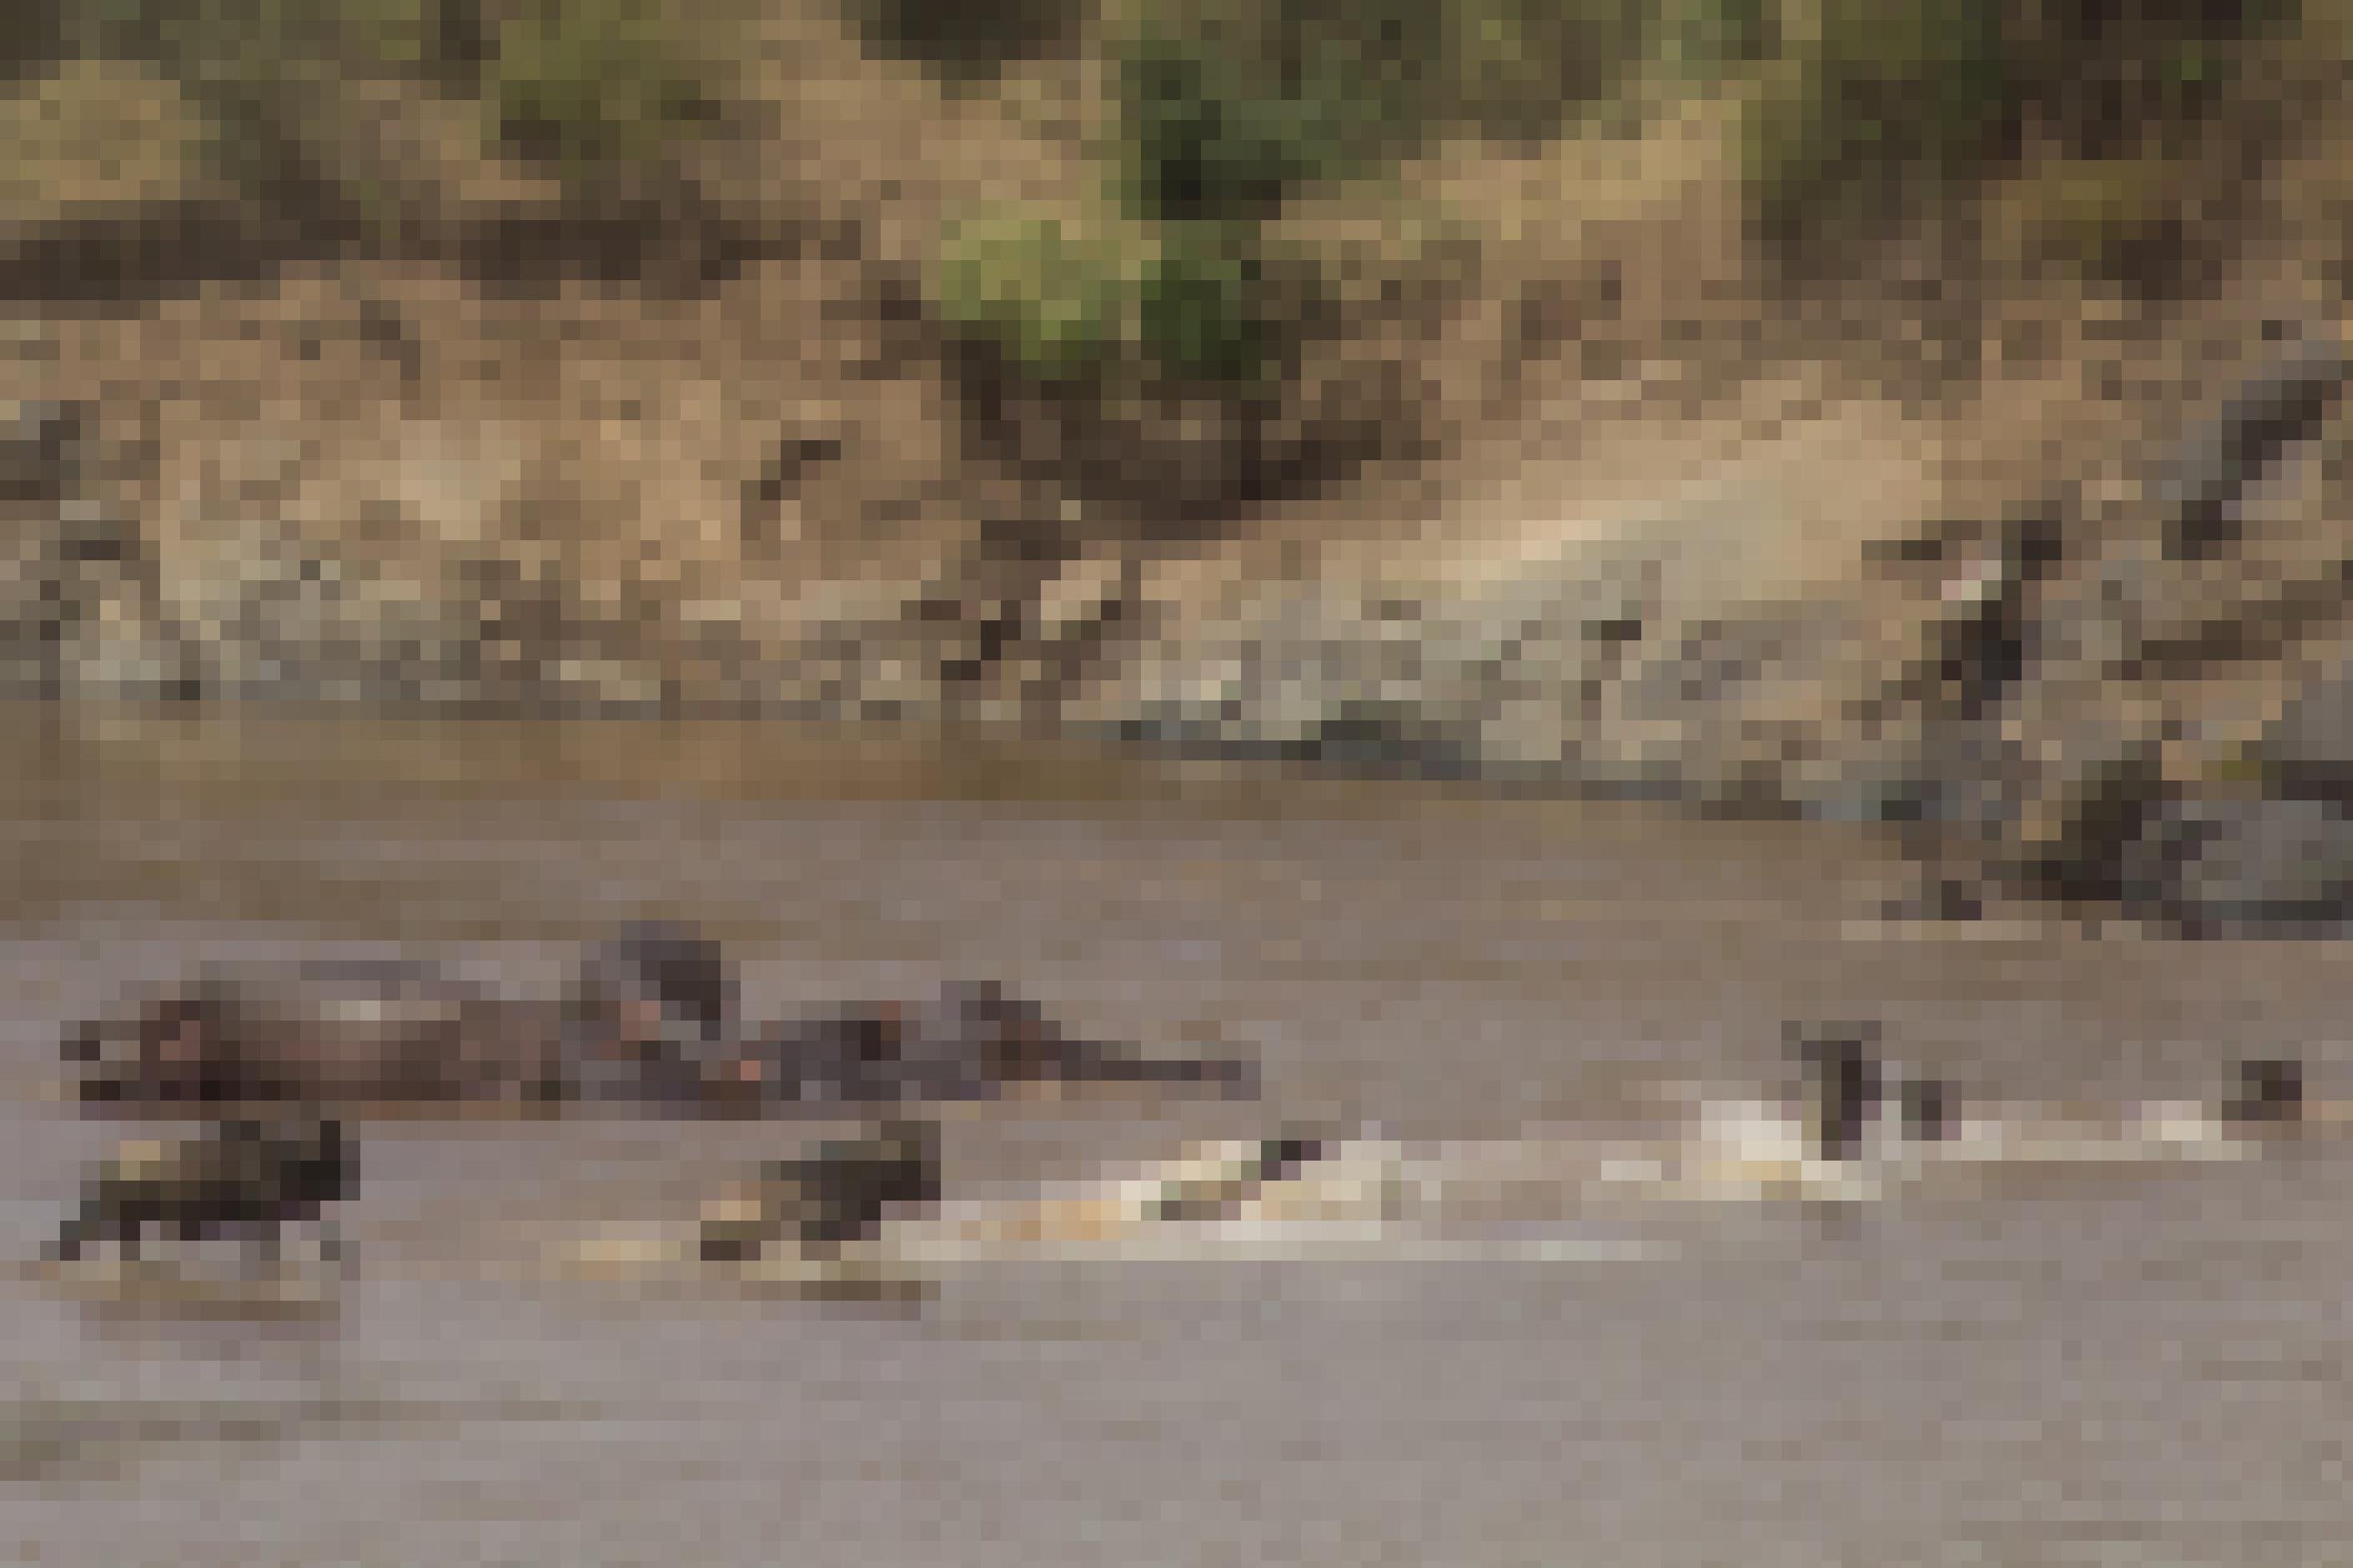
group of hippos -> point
(274, 1057)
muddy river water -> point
(2140, 1366)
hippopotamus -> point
(973, 1041)
(839, 1192)
(642, 1013)
(651, 1022)
(254, 1177)
(653, 1014)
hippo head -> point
(666, 966)
(651, 1006)
(161, 1048)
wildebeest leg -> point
(267, 1236)
(75, 1235)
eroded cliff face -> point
(2005, 559)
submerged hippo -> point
(644, 1011)
(972, 1041)
(839, 1192)
(651, 1022)
(251, 1177)
(653, 1016)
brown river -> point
(2147, 1365)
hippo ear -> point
(668, 962)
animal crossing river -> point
(2139, 1363)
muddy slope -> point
(2061, 575)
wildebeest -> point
(1214, 1196)
(1849, 1090)
(2269, 1093)
(839, 1192)
(250, 1177)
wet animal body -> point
(2269, 1093)
(250, 1178)
(320, 1034)
(651, 1022)
(839, 1192)
(653, 1018)
(972, 1041)
(1214, 1197)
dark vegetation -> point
(1168, 293)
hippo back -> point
(338, 1031)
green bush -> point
(1179, 302)
(594, 86)
(1053, 298)
(260, 71)
(1703, 38)
(1924, 95)
(1887, 94)
(1207, 134)
(1204, 310)
(1227, 108)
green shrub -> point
(1052, 298)
(1920, 96)
(1203, 313)
(1887, 94)
(1207, 134)
(1228, 106)
(1703, 38)
(594, 86)
(1068, 303)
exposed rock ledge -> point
(2129, 693)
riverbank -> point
(1575, 489)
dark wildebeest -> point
(839, 1192)
(2269, 1093)
(645, 1011)
(1848, 1089)
(1275, 1159)
(972, 1041)
(251, 1177)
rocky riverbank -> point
(1576, 494)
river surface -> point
(2149, 1367)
